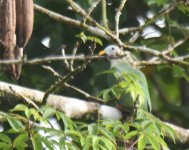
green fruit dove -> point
(131, 82)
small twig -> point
(104, 13)
(107, 32)
(67, 77)
(165, 11)
(55, 73)
(170, 49)
(135, 36)
(85, 94)
(29, 101)
(148, 63)
(60, 82)
(158, 54)
(173, 47)
(182, 58)
(76, 7)
(94, 5)
(65, 61)
(133, 144)
(128, 30)
(117, 16)
(77, 44)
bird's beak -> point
(101, 53)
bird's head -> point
(111, 51)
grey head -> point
(113, 51)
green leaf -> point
(110, 71)
(35, 114)
(95, 141)
(180, 72)
(153, 141)
(49, 143)
(87, 146)
(109, 144)
(92, 129)
(49, 112)
(36, 142)
(183, 8)
(106, 94)
(162, 142)
(5, 146)
(123, 84)
(161, 2)
(107, 134)
(94, 39)
(101, 147)
(5, 138)
(68, 123)
(15, 123)
(75, 134)
(20, 141)
(142, 142)
(116, 92)
(169, 131)
(131, 134)
(19, 107)
(28, 113)
(85, 38)
(82, 36)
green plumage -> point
(123, 71)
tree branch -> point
(117, 16)
(100, 31)
(73, 22)
(72, 107)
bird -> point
(126, 74)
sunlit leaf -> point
(5, 138)
(68, 123)
(92, 129)
(20, 141)
(95, 141)
(153, 141)
(36, 142)
(19, 107)
(48, 112)
(131, 134)
(15, 123)
(142, 142)
(5, 146)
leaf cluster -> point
(144, 132)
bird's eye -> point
(113, 48)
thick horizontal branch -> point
(43, 60)
(72, 107)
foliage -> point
(127, 83)
(145, 132)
